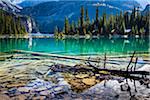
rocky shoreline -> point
(46, 78)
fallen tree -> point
(89, 61)
(75, 57)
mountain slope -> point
(49, 14)
(31, 3)
(147, 9)
(15, 21)
(8, 6)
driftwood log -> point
(4, 57)
(127, 72)
(75, 58)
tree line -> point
(11, 24)
(125, 23)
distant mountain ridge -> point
(147, 9)
(52, 13)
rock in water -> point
(19, 97)
(45, 93)
(146, 67)
(89, 81)
(4, 97)
(24, 89)
(82, 76)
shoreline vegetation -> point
(125, 24)
(69, 36)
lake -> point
(76, 46)
(33, 76)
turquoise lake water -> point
(76, 46)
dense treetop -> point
(125, 23)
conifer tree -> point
(72, 26)
(87, 19)
(104, 23)
(66, 26)
(142, 30)
(97, 15)
(56, 31)
(136, 29)
(133, 17)
(79, 23)
(82, 17)
(133, 30)
(123, 28)
(127, 19)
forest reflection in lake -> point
(76, 46)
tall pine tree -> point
(67, 26)
(87, 19)
(82, 17)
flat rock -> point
(4, 97)
(63, 83)
(2, 58)
(60, 79)
(19, 97)
(146, 67)
(58, 88)
(82, 76)
(39, 98)
(89, 81)
(40, 89)
(24, 89)
(45, 93)
(16, 85)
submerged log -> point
(121, 71)
(74, 58)
(60, 56)
(89, 62)
(126, 72)
(4, 57)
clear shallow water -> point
(76, 46)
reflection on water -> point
(76, 46)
